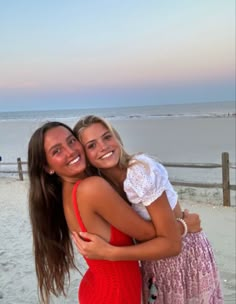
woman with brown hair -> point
(63, 197)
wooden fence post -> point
(20, 171)
(225, 178)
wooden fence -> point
(225, 165)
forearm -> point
(150, 250)
(151, 234)
(147, 233)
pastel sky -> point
(82, 54)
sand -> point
(17, 273)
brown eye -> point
(91, 146)
(73, 140)
(107, 136)
(56, 151)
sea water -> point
(210, 109)
(16, 129)
(205, 130)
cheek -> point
(55, 162)
(91, 156)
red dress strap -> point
(74, 198)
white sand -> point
(175, 140)
(17, 275)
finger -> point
(185, 213)
(86, 236)
(75, 235)
(77, 242)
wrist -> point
(184, 226)
(112, 253)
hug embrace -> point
(127, 213)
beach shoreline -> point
(178, 140)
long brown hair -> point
(52, 245)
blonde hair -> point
(89, 120)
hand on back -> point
(95, 248)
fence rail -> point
(225, 165)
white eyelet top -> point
(145, 181)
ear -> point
(49, 170)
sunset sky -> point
(81, 54)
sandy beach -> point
(175, 140)
(17, 274)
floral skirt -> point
(189, 278)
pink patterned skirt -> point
(189, 278)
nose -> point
(102, 145)
(69, 150)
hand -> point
(94, 248)
(193, 221)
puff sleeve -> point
(146, 180)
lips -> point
(75, 160)
(106, 155)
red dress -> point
(108, 282)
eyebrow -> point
(54, 147)
(59, 144)
(93, 140)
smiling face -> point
(101, 146)
(64, 153)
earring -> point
(51, 172)
(99, 172)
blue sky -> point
(83, 54)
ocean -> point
(183, 133)
(210, 109)
(178, 132)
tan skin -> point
(99, 204)
(98, 141)
(97, 217)
(103, 152)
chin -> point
(109, 165)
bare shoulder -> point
(94, 193)
(93, 181)
(93, 185)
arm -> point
(98, 200)
(167, 244)
(99, 249)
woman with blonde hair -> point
(188, 278)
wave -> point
(145, 112)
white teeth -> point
(106, 155)
(74, 161)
